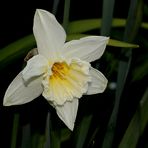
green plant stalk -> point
(15, 130)
(132, 26)
(26, 136)
(66, 14)
(108, 7)
(55, 6)
(47, 132)
(137, 125)
(82, 131)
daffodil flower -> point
(61, 71)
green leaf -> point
(55, 6)
(16, 50)
(38, 140)
(66, 14)
(65, 134)
(137, 124)
(81, 26)
(140, 71)
(82, 131)
(55, 139)
(26, 136)
(47, 131)
(117, 43)
(107, 16)
(15, 130)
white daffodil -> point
(61, 71)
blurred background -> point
(116, 118)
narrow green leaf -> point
(75, 36)
(34, 140)
(26, 136)
(41, 141)
(66, 14)
(65, 134)
(55, 134)
(82, 131)
(38, 140)
(16, 50)
(144, 25)
(137, 124)
(140, 71)
(134, 20)
(15, 130)
(55, 139)
(47, 132)
(146, 9)
(81, 26)
(117, 43)
(55, 6)
(107, 16)
(91, 140)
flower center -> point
(59, 70)
(67, 81)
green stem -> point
(14, 131)
(108, 7)
(66, 14)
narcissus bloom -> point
(61, 71)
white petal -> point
(88, 48)
(18, 93)
(36, 66)
(67, 112)
(49, 34)
(98, 83)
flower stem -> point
(66, 14)
(14, 131)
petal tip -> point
(6, 101)
(67, 113)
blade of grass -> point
(15, 130)
(82, 131)
(66, 14)
(26, 136)
(16, 50)
(117, 43)
(81, 26)
(47, 132)
(66, 133)
(137, 124)
(107, 16)
(132, 26)
(55, 6)
(55, 139)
